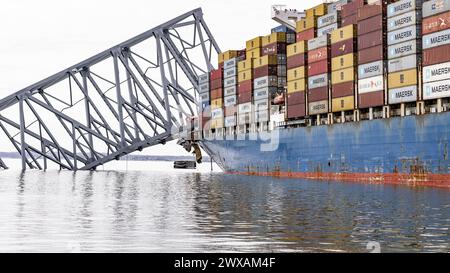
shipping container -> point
(404, 49)
(318, 68)
(344, 75)
(434, 7)
(203, 78)
(217, 103)
(404, 63)
(318, 10)
(351, 8)
(282, 28)
(230, 82)
(282, 71)
(371, 24)
(436, 39)
(329, 19)
(370, 70)
(342, 62)
(318, 94)
(403, 94)
(349, 20)
(319, 42)
(244, 108)
(230, 72)
(296, 73)
(405, 34)
(343, 89)
(230, 91)
(231, 111)
(296, 111)
(328, 29)
(436, 23)
(370, 85)
(245, 65)
(261, 116)
(306, 24)
(436, 90)
(216, 74)
(265, 60)
(245, 97)
(297, 48)
(336, 6)
(204, 97)
(230, 100)
(245, 86)
(372, 39)
(296, 98)
(275, 48)
(253, 43)
(306, 35)
(296, 86)
(403, 6)
(371, 54)
(225, 56)
(368, 11)
(438, 72)
(232, 63)
(267, 70)
(217, 123)
(245, 75)
(245, 118)
(343, 34)
(216, 94)
(277, 37)
(230, 121)
(281, 59)
(318, 55)
(254, 53)
(296, 61)
(318, 107)
(402, 79)
(265, 82)
(343, 48)
(204, 87)
(217, 113)
(318, 81)
(261, 105)
(215, 84)
(436, 55)
(343, 104)
(264, 93)
(404, 20)
(372, 99)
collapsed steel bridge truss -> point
(137, 94)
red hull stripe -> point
(411, 180)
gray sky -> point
(40, 38)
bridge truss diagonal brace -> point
(134, 95)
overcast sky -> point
(40, 38)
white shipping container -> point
(232, 62)
(321, 41)
(217, 113)
(230, 121)
(435, 7)
(203, 88)
(404, 94)
(245, 108)
(318, 81)
(245, 118)
(231, 90)
(261, 116)
(318, 107)
(404, 63)
(436, 39)
(403, 6)
(230, 100)
(436, 72)
(203, 78)
(327, 30)
(230, 82)
(404, 34)
(435, 90)
(265, 82)
(403, 20)
(230, 72)
(370, 70)
(404, 49)
(204, 97)
(371, 84)
(336, 6)
(261, 105)
(328, 19)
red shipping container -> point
(244, 97)
(221, 66)
(318, 94)
(296, 61)
(343, 90)
(371, 39)
(436, 23)
(372, 54)
(343, 48)
(318, 55)
(230, 111)
(371, 24)
(296, 111)
(274, 48)
(216, 74)
(436, 55)
(368, 11)
(216, 84)
(372, 99)
(349, 20)
(306, 35)
(216, 93)
(351, 8)
(267, 70)
(245, 86)
(318, 68)
(296, 98)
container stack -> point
(230, 75)
(296, 80)
(227, 55)
(204, 102)
(319, 69)
(216, 95)
(344, 68)
(328, 22)
(436, 54)
(349, 12)
(371, 55)
(404, 47)
(307, 27)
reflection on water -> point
(197, 212)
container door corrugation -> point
(404, 34)
(344, 75)
(342, 62)
(343, 104)
(318, 81)
(343, 34)
(245, 65)
(343, 48)
(371, 85)
(436, 72)
(318, 10)
(402, 79)
(404, 49)
(436, 39)
(404, 20)
(403, 6)
(277, 37)
(435, 90)
(306, 24)
(253, 43)
(436, 55)
(370, 70)
(254, 53)
(403, 94)
(404, 63)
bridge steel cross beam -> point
(3, 165)
(134, 95)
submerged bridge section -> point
(137, 94)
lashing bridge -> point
(134, 95)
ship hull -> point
(402, 151)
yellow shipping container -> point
(296, 86)
(253, 43)
(344, 75)
(296, 73)
(216, 123)
(402, 79)
(297, 48)
(245, 65)
(218, 103)
(277, 37)
(265, 60)
(225, 56)
(342, 34)
(254, 53)
(317, 10)
(245, 75)
(345, 61)
(307, 23)
(343, 104)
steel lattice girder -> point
(134, 95)
(3, 165)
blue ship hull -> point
(412, 149)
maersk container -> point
(328, 19)
(296, 98)
(273, 49)
(370, 70)
(371, 84)
(265, 82)
(343, 34)
(404, 63)
(230, 91)
(404, 49)
(306, 35)
(436, 55)
(261, 116)
(368, 11)
(267, 70)
(321, 41)
(403, 6)
(436, 90)
(230, 121)
(318, 68)
(264, 93)
(261, 105)
(318, 107)
(232, 63)
(404, 34)
(435, 7)
(296, 111)
(230, 72)
(436, 23)
(204, 97)
(318, 81)
(336, 6)
(282, 28)
(230, 100)
(318, 94)
(372, 54)
(404, 20)
(438, 72)
(436, 39)
(204, 87)
(328, 29)
(245, 108)
(203, 78)
(371, 99)
(217, 94)
(403, 78)
(296, 61)
(230, 82)
(403, 94)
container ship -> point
(359, 91)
